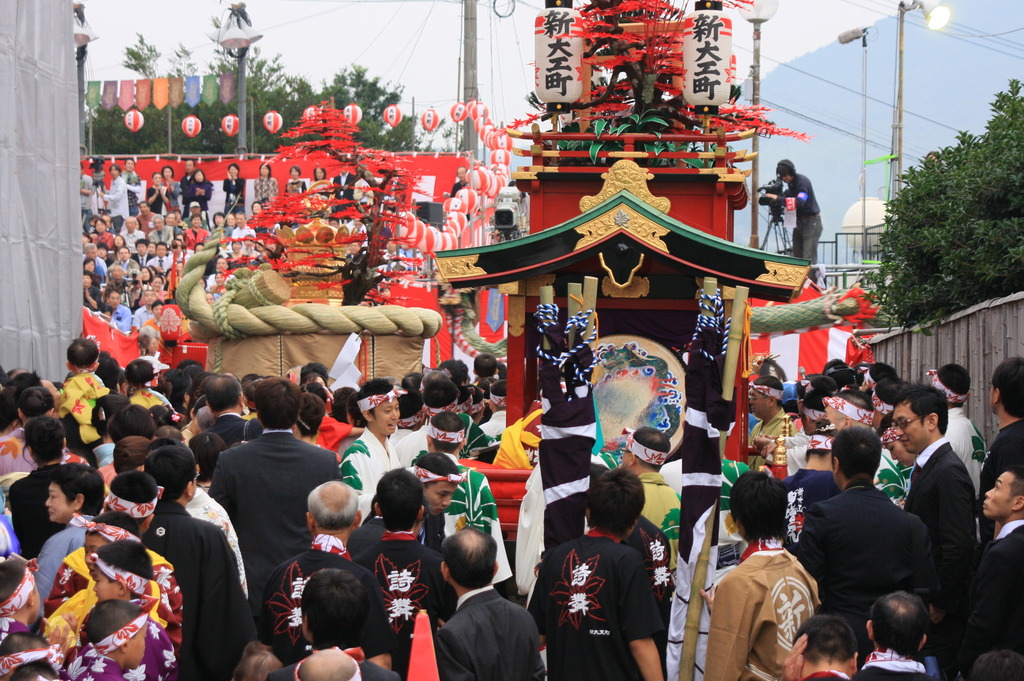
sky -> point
(811, 81)
(416, 42)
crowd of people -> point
(171, 523)
(137, 236)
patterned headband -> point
(135, 510)
(368, 403)
(450, 436)
(478, 407)
(433, 411)
(881, 407)
(498, 400)
(122, 635)
(133, 582)
(53, 655)
(951, 396)
(429, 476)
(869, 381)
(19, 597)
(768, 391)
(850, 410)
(820, 443)
(409, 422)
(108, 532)
(890, 436)
(651, 456)
(813, 414)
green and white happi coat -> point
(363, 465)
(473, 506)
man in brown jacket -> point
(758, 607)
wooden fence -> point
(978, 338)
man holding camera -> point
(808, 215)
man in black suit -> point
(1007, 402)
(218, 625)
(997, 593)
(858, 545)
(334, 606)
(224, 398)
(488, 638)
(897, 629)
(263, 485)
(942, 495)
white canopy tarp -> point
(40, 223)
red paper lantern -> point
(459, 112)
(430, 120)
(392, 115)
(272, 121)
(134, 120)
(353, 113)
(501, 157)
(191, 125)
(469, 199)
(456, 221)
(229, 125)
(471, 107)
(311, 111)
(453, 204)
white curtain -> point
(40, 223)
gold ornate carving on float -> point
(458, 267)
(635, 287)
(325, 247)
(626, 175)
(783, 274)
(626, 219)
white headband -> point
(121, 636)
(17, 600)
(133, 582)
(851, 410)
(498, 400)
(813, 414)
(135, 510)
(767, 391)
(820, 442)
(429, 476)
(881, 407)
(951, 396)
(108, 532)
(368, 403)
(450, 436)
(651, 456)
(53, 655)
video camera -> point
(777, 207)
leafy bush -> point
(955, 233)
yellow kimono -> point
(80, 394)
(146, 398)
(73, 589)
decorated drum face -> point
(638, 382)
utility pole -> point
(470, 90)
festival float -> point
(316, 285)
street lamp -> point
(758, 12)
(844, 38)
(936, 17)
(235, 36)
(83, 36)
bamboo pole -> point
(573, 304)
(546, 296)
(590, 302)
(688, 659)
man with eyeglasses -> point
(942, 495)
(766, 405)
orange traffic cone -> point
(422, 660)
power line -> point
(851, 90)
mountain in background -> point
(949, 83)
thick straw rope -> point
(234, 321)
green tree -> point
(353, 84)
(142, 58)
(955, 234)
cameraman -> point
(808, 216)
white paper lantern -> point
(707, 56)
(353, 113)
(392, 115)
(558, 53)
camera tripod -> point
(782, 240)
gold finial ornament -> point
(779, 453)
